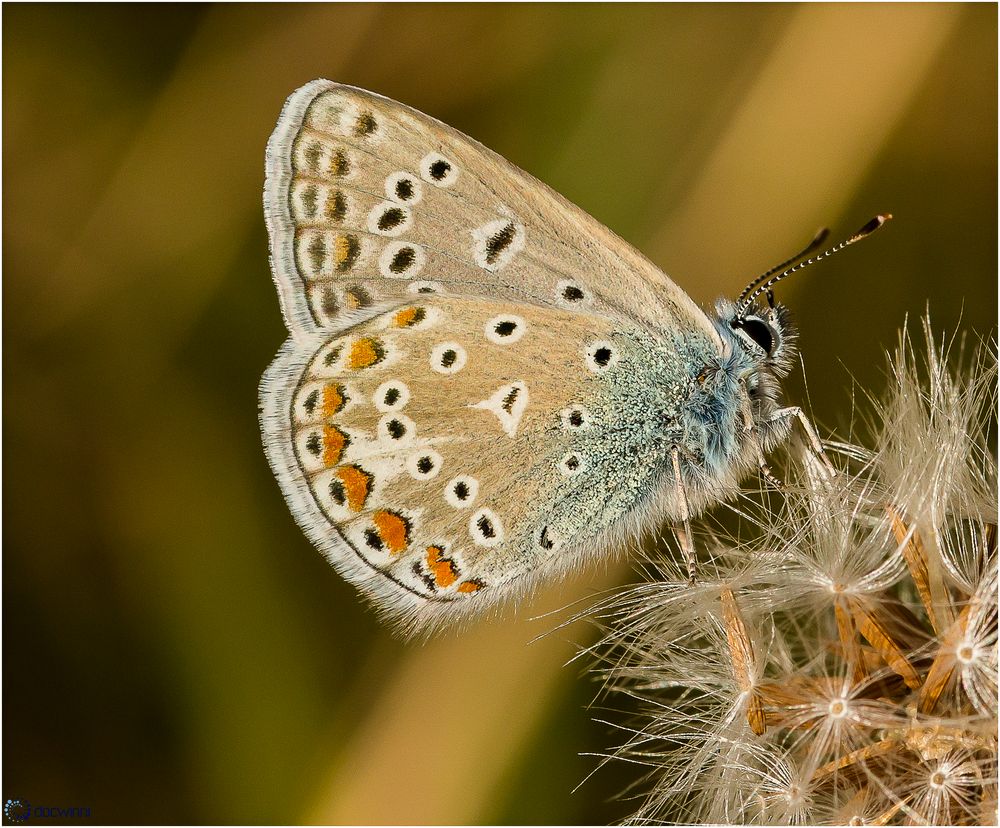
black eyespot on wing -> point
(310, 403)
(396, 429)
(391, 218)
(337, 493)
(314, 443)
(576, 418)
(505, 328)
(544, 540)
(337, 207)
(425, 465)
(340, 165)
(462, 490)
(448, 358)
(391, 395)
(572, 462)
(328, 301)
(602, 356)
(332, 356)
(498, 242)
(365, 125)
(373, 540)
(485, 527)
(439, 169)
(404, 189)
(571, 293)
(403, 260)
(508, 401)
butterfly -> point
(483, 386)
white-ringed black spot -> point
(402, 260)
(396, 429)
(485, 528)
(448, 358)
(601, 356)
(461, 491)
(373, 540)
(505, 329)
(571, 464)
(424, 465)
(404, 189)
(390, 219)
(391, 396)
(571, 293)
(438, 170)
(499, 241)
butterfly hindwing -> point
(368, 200)
(449, 451)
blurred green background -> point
(174, 650)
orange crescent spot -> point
(409, 316)
(443, 569)
(470, 586)
(334, 443)
(365, 353)
(357, 485)
(333, 400)
(393, 529)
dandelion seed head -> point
(836, 663)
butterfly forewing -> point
(366, 197)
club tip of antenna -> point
(874, 224)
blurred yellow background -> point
(174, 650)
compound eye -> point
(758, 330)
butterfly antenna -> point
(765, 287)
(818, 239)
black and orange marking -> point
(351, 485)
(335, 442)
(334, 399)
(444, 570)
(365, 353)
(408, 317)
(392, 531)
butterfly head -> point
(762, 348)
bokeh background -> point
(173, 648)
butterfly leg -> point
(769, 477)
(683, 532)
(811, 436)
